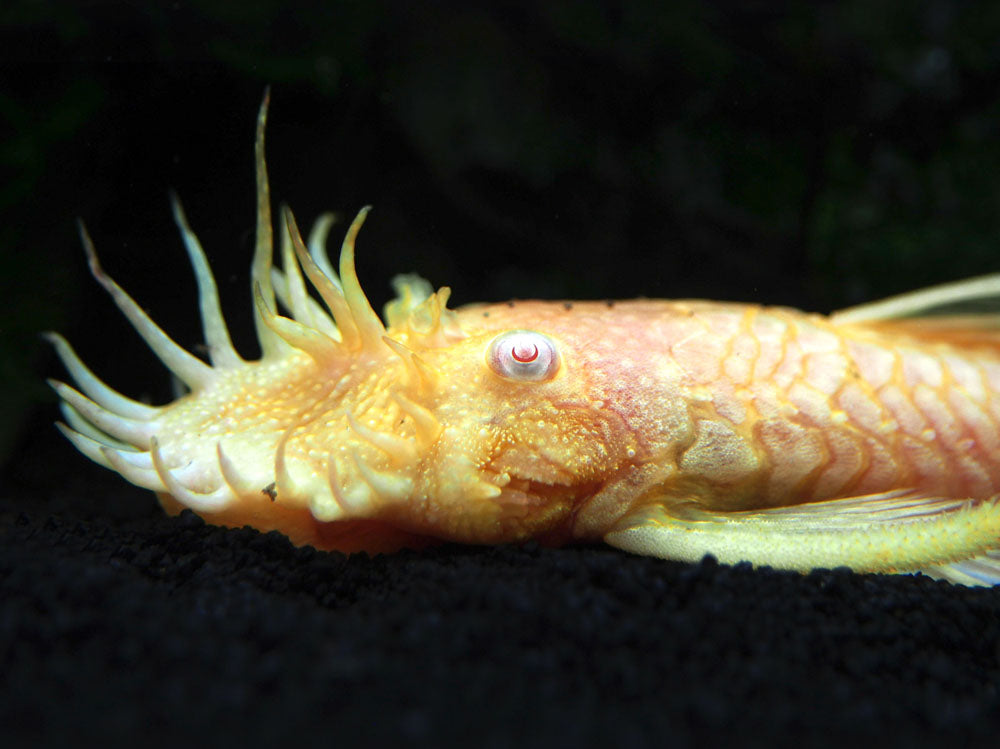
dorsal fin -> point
(964, 313)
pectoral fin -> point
(900, 531)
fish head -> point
(507, 420)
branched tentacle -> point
(414, 375)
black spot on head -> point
(486, 314)
(510, 304)
(567, 306)
(609, 302)
(270, 491)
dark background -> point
(815, 155)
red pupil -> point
(524, 352)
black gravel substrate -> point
(169, 630)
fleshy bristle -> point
(411, 289)
(425, 423)
(86, 444)
(317, 244)
(236, 483)
(212, 501)
(358, 502)
(131, 431)
(318, 317)
(319, 346)
(400, 449)
(297, 295)
(327, 286)
(284, 485)
(388, 486)
(76, 421)
(94, 387)
(271, 343)
(147, 478)
(413, 374)
(369, 325)
(190, 369)
(422, 313)
(220, 345)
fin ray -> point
(935, 300)
(896, 531)
(978, 571)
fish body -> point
(673, 428)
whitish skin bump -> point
(869, 438)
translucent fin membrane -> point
(978, 571)
(896, 531)
(983, 289)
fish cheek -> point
(567, 444)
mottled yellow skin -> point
(730, 407)
(675, 428)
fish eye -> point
(523, 355)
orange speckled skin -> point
(727, 406)
(741, 407)
(669, 428)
